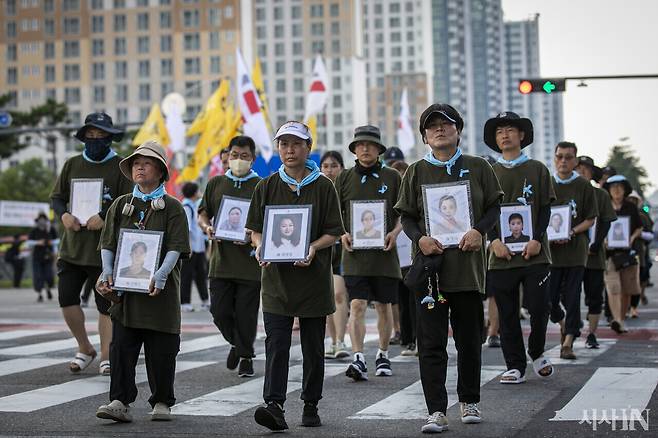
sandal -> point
(540, 364)
(81, 361)
(104, 368)
(512, 377)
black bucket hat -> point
(445, 111)
(619, 179)
(367, 133)
(597, 172)
(507, 118)
(101, 121)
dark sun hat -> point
(100, 121)
(507, 118)
(367, 133)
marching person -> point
(304, 288)
(593, 280)
(16, 259)
(43, 239)
(622, 272)
(527, 182)
(461, 276)
(569, 256)
(193, 269)
(370, 274)
(331, 165)
(151, 320)
(234, 271)
(79, 259)
(642, 247)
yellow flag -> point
(257, 79)
(312, 124)
(216, 101)
(154, 128)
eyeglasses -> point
(560, 157)
(243, 156)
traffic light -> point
(542, 85)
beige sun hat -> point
(151, 149)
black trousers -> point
(466, 314)
(194, 268)
(505, 285)
(565, 287)
(43, 274)
(278, 330)
(594, 287)
(407, 308)
(19, 267)
(160, 351)
(234, 307)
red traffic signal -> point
(525, 87)
(542, 85)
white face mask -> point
(239, 167)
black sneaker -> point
(395, 340)
(310, 417)
(357, 371)
(49, 294)
(232, 360)
(271, 416)
(246, 368)
(40, 299)
(383, 366)
(591, 341)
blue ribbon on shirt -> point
(447, 164)
(569, 180)
(109, 156)
(515, 162)
(146, 197)
(237, 180)
(308, 179)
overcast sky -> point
(602, 37)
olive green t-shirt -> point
(139, 310)
(580, 194)
(81, 247)
(227, 259)
(287, 289)
(536, 179)
(370, 262)
(461, 271)
(606, 214)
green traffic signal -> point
(549, 87)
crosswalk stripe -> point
(23, 364)
(409, 403)
(48, 396)
(202, 343)
(16, 334)
(584, 355)
(235, 399)
(611, 388)
(296, 350)
(45, 347)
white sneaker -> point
(341, 350)
(161, 412)
(436, 423)
(115, 411)
(330, 352)
(470, 413)
(187, 307)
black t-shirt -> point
(43, 253)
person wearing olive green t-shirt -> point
(593, 278)
(234, 272)
(370, 274)
(569, 256)
(525, 182)
(79, 260)
(461, 275)
(150, 319)
(301, 289)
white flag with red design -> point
(318, 95)
(405, 134)
(250, 107)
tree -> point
(28, 181)
(623, 158)
(49, 114)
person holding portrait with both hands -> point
(150, 319)
(301, 289)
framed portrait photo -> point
(619, 235)
(86, 198)
(516, 226)
(368, 224)
(286, 233)
(448, 211)
(138, 252)
(231, 218)
(591, 233)
(403, 245)
(559, 225)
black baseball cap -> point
(444, 111)
(393, 153)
